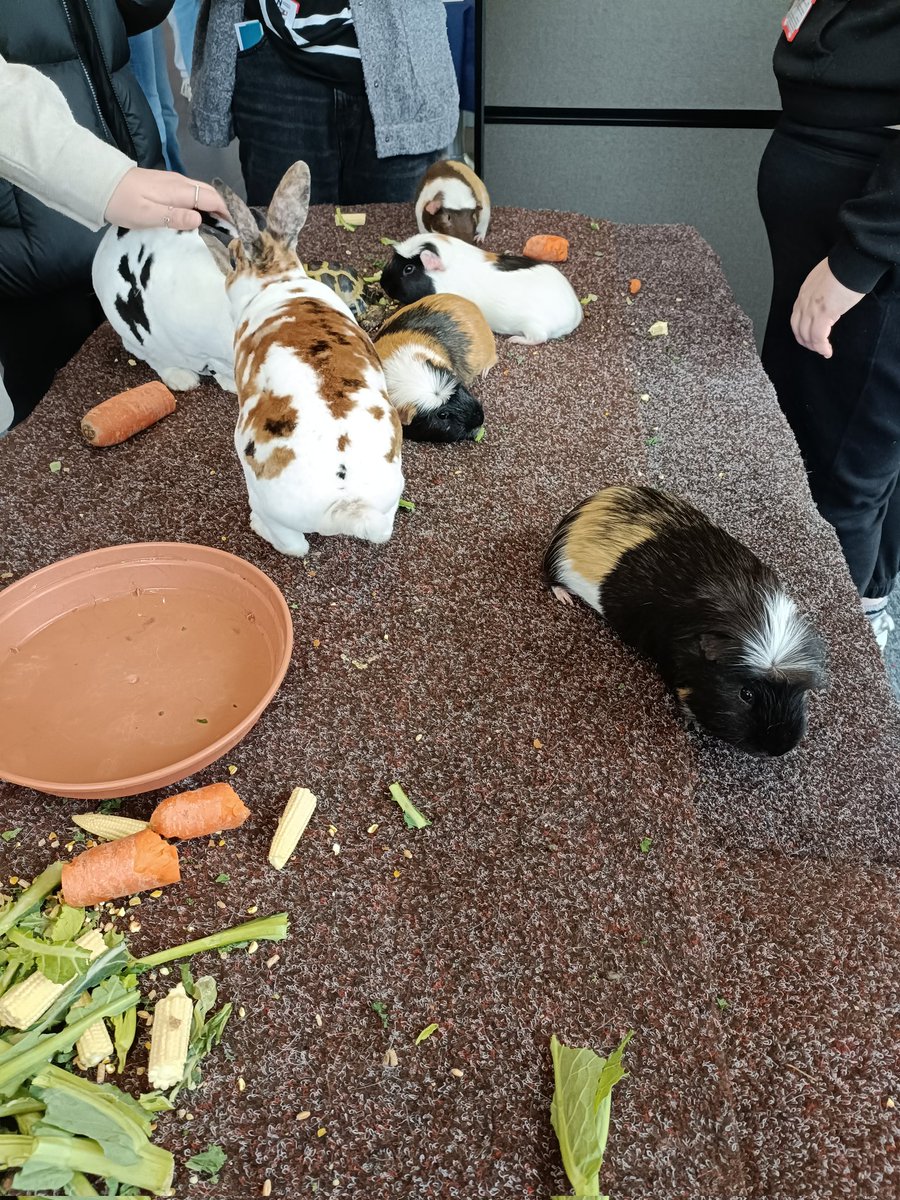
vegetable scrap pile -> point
(69, 995)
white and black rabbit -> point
(317, 436)
(163, 293)
(517, 295)
(726, 637)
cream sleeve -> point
(45, 152)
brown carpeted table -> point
(754, 947)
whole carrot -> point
(125, 414)
(114, 869)
(199, 813)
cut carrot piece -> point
(548, 247)
(634, 286)
(199, 813)
(106, 872)
(123, 415)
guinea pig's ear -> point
(436, 204)
(431, 261)
(286, 214)
(714, 645)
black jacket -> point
(842, 71)
(82, 45)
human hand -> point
(820, 303)
(148, 199)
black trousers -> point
(38, 335)
(844, 411)
(280, 116)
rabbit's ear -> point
(287, 212)
(217, 249)
(244, 221)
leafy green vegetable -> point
(380, 1007)
(91, 1114)
(722, 1003)
(386, 241)
(646, 843)
(580, 1119)
(50, 1162)
(341, 221)
(9, 834)
(426, 1033)
(66, 926)
(411, 815)
(222, 878)
(110, 806)
(480, 435)
(55, 466)
(45, 883)
(154, 1102)
(261, 929)
(59, 963)
(204, 1034)
(208, 1162)
(409, 505)
(595, 224)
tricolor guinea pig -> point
(452, 199)
(431, 352)
(724, 634)
(517, 295)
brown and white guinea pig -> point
(431, 352)
(516, 295)
(452, 199)
(724, 634)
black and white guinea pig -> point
(517, 295)
(452, 199)
(432, 352)
(724, 634)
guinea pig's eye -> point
(748, 695)
(408, 269)
(443, 414)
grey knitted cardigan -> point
(407, 66)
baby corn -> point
(27, 1001)
(109, 826)
(296, 816)
(92, 941)
(94, 1044)
(171, 1035)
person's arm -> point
(141, 15)
(45, 152)
(868, 245)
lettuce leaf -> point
(580, 1109)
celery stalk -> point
(263, 929)
(42, 886)
(49, 1155)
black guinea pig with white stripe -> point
(724, 634)
(517, 295)
(431, 352)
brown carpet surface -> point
(754, 947)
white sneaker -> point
(883, 626)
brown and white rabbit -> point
(317, 437)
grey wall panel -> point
(632, 53)
(700, 177)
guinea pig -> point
(517, 295)
(431, 352)
(452, 199)
(722, 631)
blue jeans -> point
(281, 116)
(148, 62)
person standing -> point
(829, 193)
(364, 91)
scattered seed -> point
(319, 1020)
(396, 873)
(267, 1188)
(407, 853)
(221, 904)
(164, 971)
(270, 962)
(134, 926)
(232, 769)
(332, 829)
(456, 1072)
(390, 1057)
(156, 893)
(320, 1132)
(336, 847)
(538, 744)
(372, 829)
(304, 1116)
(241, 1083)
(101, 1072)
(242, 1012)
(253, 908)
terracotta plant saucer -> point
(127, 669)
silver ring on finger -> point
(197, 195)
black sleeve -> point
(141, 15)
(870, 227)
